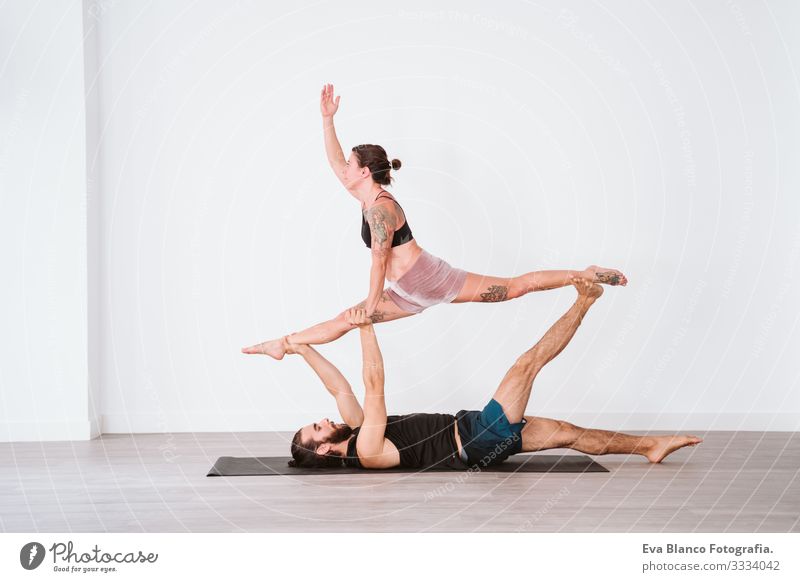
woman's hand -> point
(327, 106)
(370, 307)
(357, 317)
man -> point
(372, 440)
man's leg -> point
(515, 389)
(540, 434)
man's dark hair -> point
(304, 454)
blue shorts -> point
(486, 435)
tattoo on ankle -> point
(495, 293)
(608, 277)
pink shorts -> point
(429, 281)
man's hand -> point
(291, 348)
(357, 317)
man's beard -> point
(340, 434)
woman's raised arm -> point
(333, 148)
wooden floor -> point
(733, 482)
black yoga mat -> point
(240, 466)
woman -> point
(417, 280)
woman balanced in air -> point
(416, 279)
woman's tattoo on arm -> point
(381, 221)
(495, 293)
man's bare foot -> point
(587, 288)
(273, 348)
(606, 276)
(666, 445)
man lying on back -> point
(370, 439)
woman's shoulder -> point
(385, 198)
(383, 206)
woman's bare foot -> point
(273, 348)
(606, 276)
(666, 445)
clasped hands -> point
(357, 317)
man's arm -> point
(335, 383)
(382, 222)
(371, 439)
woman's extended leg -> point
(328, 331)
(540, 434)
(485, 289)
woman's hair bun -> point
(395, 164)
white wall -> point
(43, 295)
(659, 139)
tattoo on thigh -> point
(495, 293)
(378, 316)
(608, 277)
(363, 304)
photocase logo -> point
(31, 555)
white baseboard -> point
(45, 430)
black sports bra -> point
(401, 236)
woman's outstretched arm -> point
(382, 222)
(333, 149)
